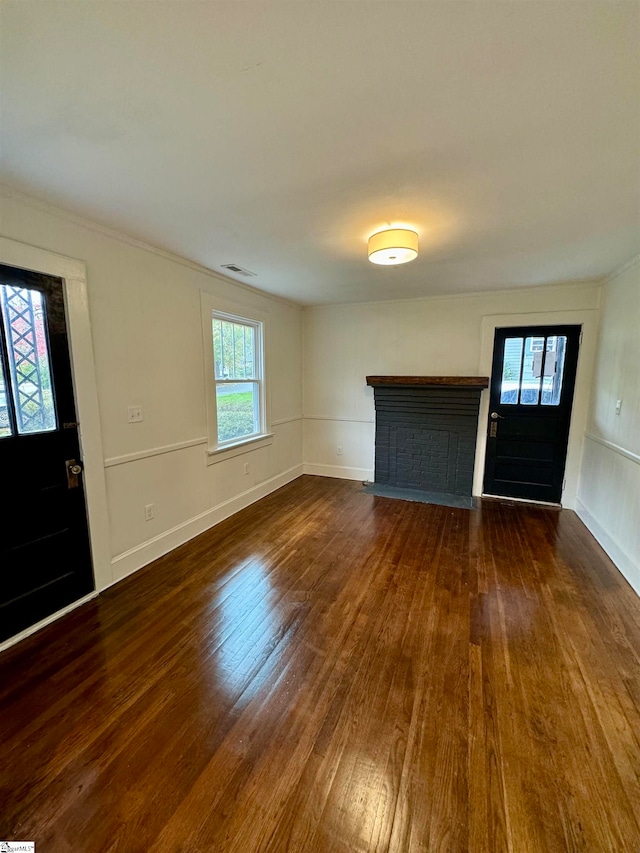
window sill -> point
(240, 447)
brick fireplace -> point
(426, 429)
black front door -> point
(45, 558)
(532, 382)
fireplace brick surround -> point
(426, 429)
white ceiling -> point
(280, 135)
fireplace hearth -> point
(426, 430)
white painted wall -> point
(146, 323)
(609, 490)
(438, 336)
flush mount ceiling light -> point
(393, 247)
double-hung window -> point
(237, 345)
(235, 377)
(238, 393)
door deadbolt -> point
(73, 469)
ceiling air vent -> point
(235, 268)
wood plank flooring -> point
(333, 671)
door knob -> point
(73, 469)
(495, 416)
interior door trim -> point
(587, 317)
(74, 276)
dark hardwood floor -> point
(334, 671)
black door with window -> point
(45, 558)
(532, 383)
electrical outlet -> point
(148, 512)
(339, 450)
(618, 406)
(134, 415)
(246, 467)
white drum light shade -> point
(393, 247)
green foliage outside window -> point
(235, 416)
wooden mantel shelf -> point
(440, 381)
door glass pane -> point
(5, 423)
(553, 370)
(30, 373)
(511, 370)
(531, 371)
(237, 407)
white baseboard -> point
(44, 622)
(130, 561)
(340, 471)
(623, 562)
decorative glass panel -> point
(238, 412)
(530, 383)
(511, 362)
(5, 422)
(23, 316)
(553, 370)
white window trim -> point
(212, 306)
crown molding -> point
(91, 225)
(625, 266)
(475, 294)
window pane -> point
(217, 348)
(237, 406)
(511, 370)
(233, 350)
(5, 423)
(249, 359)
(553, 370)
(531, 370)
(23, 316)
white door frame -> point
(74, 276)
